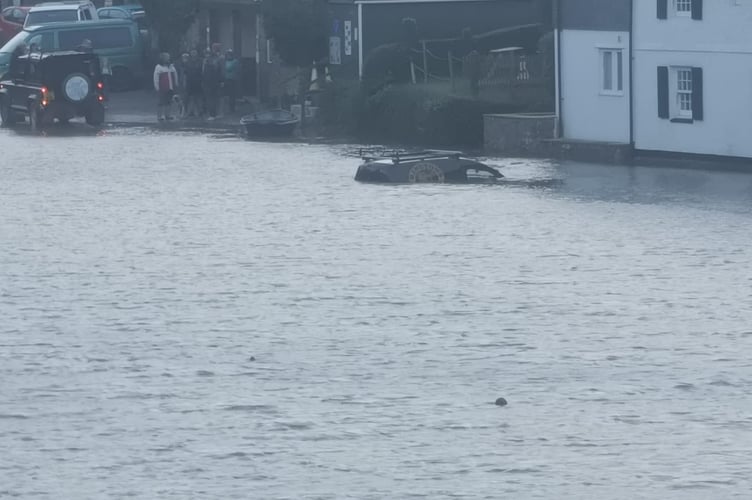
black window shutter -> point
(698, 111)
(662, 91)
(662, 9)
(697, 9)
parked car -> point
(55, 12)
(11, 22)
(134, 12)
(46, 87)
(116, 42)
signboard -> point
(348, 38)
(335, 50)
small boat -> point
(273, 123)
(426, 167)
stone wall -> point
(517, 134)
(532, 135)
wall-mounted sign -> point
(348, 38)
(335, 50)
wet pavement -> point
(198, 316)
(139, 108)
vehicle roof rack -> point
(397, 156)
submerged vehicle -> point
(273, 123)
(425, 167)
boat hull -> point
(273, 123)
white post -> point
(360, 41)
(557, 96)
(258, 56)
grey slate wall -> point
(595, 15)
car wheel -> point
(6, 114)
(95, 116)
(121, 79)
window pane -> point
(51, 16)
(102, 38)
(608, 83)
(619, 72)
(683, 5)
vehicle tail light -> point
(44, 90)
(44, 103)
(101, 98)
(100, 85)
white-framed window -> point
(683, 86)
(680, 92)
(683, 7)
(612, 71)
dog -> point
(178, 105)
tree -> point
(299, 29)
(171, 19)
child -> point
(165, 83)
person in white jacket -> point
(165, 83)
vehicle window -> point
(14, 42)
(50, 16)
(101, 38)
(479, 174)
(113, 14)
(86, 14)
(15, 15)
(43, 42)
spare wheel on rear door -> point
(76, 87)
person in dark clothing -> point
(213, 78)
(194, 85)
(232, 72)
(16, 68)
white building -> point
(689, 64)
(697, 59)
(593, 75)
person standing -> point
(165, 83)
(213, 77)
(182, 69)
(195, 89)
(232, 71)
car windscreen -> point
(51, 16)
(101, 38)
(15, 42)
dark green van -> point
(117, 42)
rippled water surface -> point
(184, 316)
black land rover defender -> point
(50, 86)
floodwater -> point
(185, 316)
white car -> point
(67, 11)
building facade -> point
(693, 69)
(594, 68)
(662, 75)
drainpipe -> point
(631, 73)
(360, 41)
(258, 54)
(557, 68)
